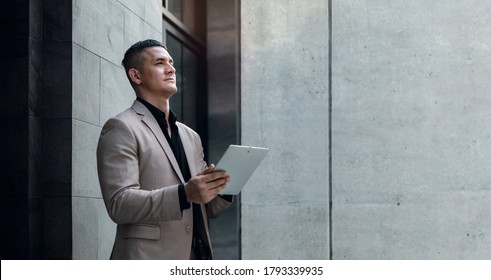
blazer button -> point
(188, 228)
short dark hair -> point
(129, 56)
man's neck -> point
(162, 103)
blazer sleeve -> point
(218, 204)
(118, 170)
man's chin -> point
(171, 92)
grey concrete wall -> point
(411, 129)
(285, 106)
(102, 31)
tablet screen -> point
(240, 162)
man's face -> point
(157, 73)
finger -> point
(210, 177)
(207, 170)
(221, 188)
(217, 184)
(214, 192)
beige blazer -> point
(139, 178)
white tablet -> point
(240, 162)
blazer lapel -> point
(150, 121)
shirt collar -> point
(157, 113)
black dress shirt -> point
(201, 248)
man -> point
(154, 181)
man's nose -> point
(171, 69)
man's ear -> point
(134, 75)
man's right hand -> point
(206, 185)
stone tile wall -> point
(102, 31)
